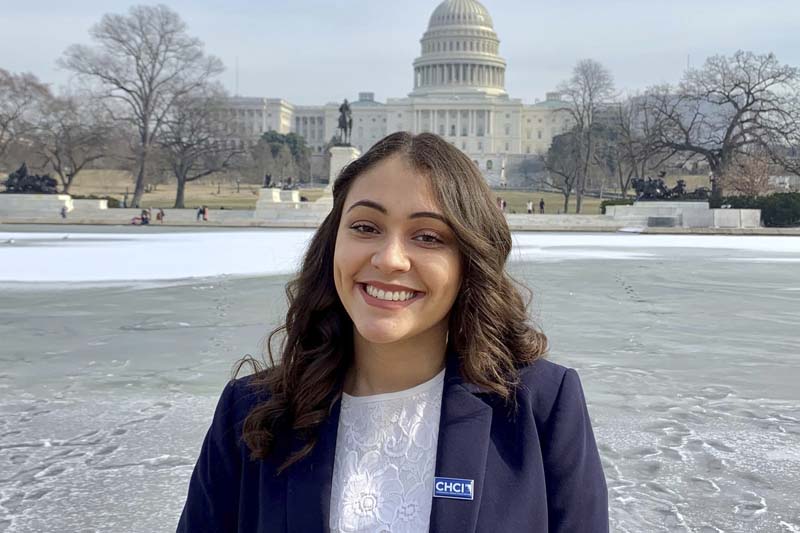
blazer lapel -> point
(464, 430)
(308, 488)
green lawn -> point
(553, 202)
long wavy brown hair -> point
(489, 330)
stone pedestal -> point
(276, 196)
(683, 215)
(34, 205)
(341, 156)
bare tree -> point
(20, 96)
(192, 140)
(563, 164)
(587, 92)
(635, 145)
(723, 109)
(146, 61)
(749, 174)
(71, 134)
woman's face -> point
(396, 267)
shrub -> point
(112, 202)
(621, 201)
(777, 210)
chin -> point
(377, 334)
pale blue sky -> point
(315, 51)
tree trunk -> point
(138, 191)
(566, 203)
(179, 196)
(717, 173)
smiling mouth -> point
(384, 297)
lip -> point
(387, 304)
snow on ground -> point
(59, 257)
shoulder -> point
(543, 384)
(239, 397)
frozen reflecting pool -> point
(114, 345)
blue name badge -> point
(451, 487)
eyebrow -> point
(380, 208)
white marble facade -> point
(458, 92)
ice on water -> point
(115, 346)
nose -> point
(391, 256)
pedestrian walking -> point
(199, 213)
(541, 206)
(205, 213)
(530, 207)
(160, 215)
(64, 211)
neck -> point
(382, 368)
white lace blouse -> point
(385, 460)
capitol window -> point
(489, 164)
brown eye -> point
(429, 238)
(363, 228)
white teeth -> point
(396, 296)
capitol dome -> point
(460, 53)
(460, 12)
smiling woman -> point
(411, 393)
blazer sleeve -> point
(577, 497)
(213, 500)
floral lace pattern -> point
(385, 460)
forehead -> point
(395, 184)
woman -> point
(411, 393)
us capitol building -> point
(458, 92)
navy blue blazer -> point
(538, 470)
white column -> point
(458, 123)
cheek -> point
(444, 275)
(339, 263)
